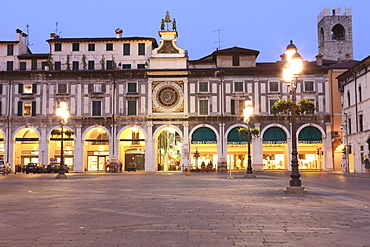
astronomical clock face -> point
(168, 97)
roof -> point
(236, 51)
(34, 56)
(9, 42)
(345, 64)
(102, 39)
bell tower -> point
(335, 34)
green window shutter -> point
(20, 108)
(131, 87)
(141, 49)
(34, 88)
(20, 88)
(33, 108)
(126, 49)
(131, 105)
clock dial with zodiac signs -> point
(168, 96)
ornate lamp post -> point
(292, 68)
(63, 113)
(248, 112)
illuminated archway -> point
(168, 149)
(96, 148)
(26, 146)
(55, 138)
(132, 149)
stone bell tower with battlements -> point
(335, 34)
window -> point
(62, 88)
(1, 89)
(141, 49)
(203, 107)
(27, 88)
(131, 105)
(57, 65)
(109, 46)
(309, 86)
(272, 102)
(237, 107)
(75, 65)
(96, 108)
(349, 126)
(236, 60)
(349, 98)
(132, 87)
(23, 66)
(135, 136)
(97, 88)
(90, 65)
(238, 86)
(26, 108)
(126, 66)
(361, 122)
(360, 93)
(141, 66)
(34, 64)
(126, 49)
(9, 65)
(91, 47)
(43, 65)
(1, 107)
(203, 86)
(110, 64)
(75, 46)
(273, 86)
(10, 50)
(58, 47)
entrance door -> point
(101, 162)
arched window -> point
(338, 33)
(321, 37)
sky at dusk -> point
(263, 25)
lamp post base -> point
(249, 175)
(295, 190)
(61, 176)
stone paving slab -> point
(171, 209)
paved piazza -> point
(172, 209)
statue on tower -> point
(165, 22)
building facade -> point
(147, 105)
(354, 87)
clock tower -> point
(167, 74)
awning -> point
(274, 135)
(233, 138)
(203, 135)
(26, 139)
(310, 135)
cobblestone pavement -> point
(172, 209)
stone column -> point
(150, 158)
(257, 152)
(79, 156)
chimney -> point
(53, 36)
(24, 44)
(319, 60)
(18, 34)
(119, 33)
(348, 56)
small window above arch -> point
(338, 33)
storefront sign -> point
(203, 142)
(310, 142)
(274, 142)
(35, 152)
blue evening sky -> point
(264, 25)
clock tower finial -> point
(166, 21)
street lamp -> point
(63, 113)
(248, 112)
(292, 68)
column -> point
(150, 160)
(257, 150)
(79, 157)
